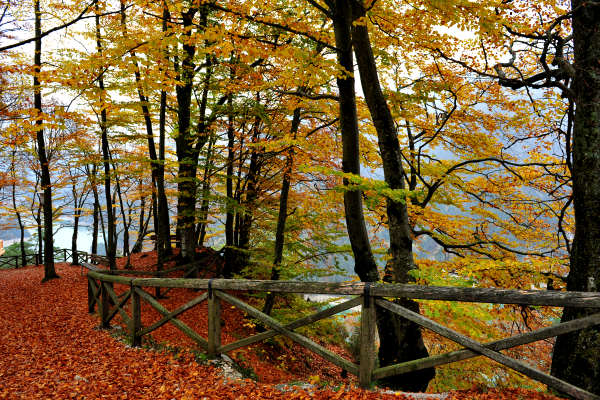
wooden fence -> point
(367, 295)
(37, 259)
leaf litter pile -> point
(50, 347)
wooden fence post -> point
(367, 339)
(136, 318)
(214, 323)
(91, 298)
(104, 306)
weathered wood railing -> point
(369, 296)
(16, 261)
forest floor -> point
(50, 347)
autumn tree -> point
(552, 50)
(46, 184)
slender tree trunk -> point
(576, 356)
(230, 213)
(75, 226)
(143, 226)
(283, 213)
(38, 221)
(364, 262)
(237, 196)
(157, 174)
(400, 340)
(21, 227)
(155, 225)
(49, 271)
(17, 213)
(249, 203)
(162, 212)
(111, 246)
(96, 212)
(126, 218)
(103, 228)
(206, 191)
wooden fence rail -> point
(369, 296)
(16, 261)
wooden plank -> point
(188, 273)
(503, 344)
(104, 277)
(296, 337)
(119, 308)
(478, 295)
(92, 267)
(293, 325)
(93, 292)
(136, 319)
(97, 287)
(179, 324)
(214, 325)
(118, 304)
(518, 366)
(104, 306)
(132, 272)
(247, 285)
(190, 304)
(367, 342)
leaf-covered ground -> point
(50, 348)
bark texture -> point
(576, 357)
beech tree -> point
(46, 184)
(555, 51)
(576, 355)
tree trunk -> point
(49, 271)
(162, 205)
(95, 221)
(230, 215)
(242, 257)
(186, 155)
(364, 262)
(155, 225)
(157, 174)
(143, 226)
(38, 221)
(18, 214)
(126, 217)
(206, 191)
(111, 246)
(21, 229)
(576, 355)
(283, 214)
(400, 340)
(75, 227)
(74, 241)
